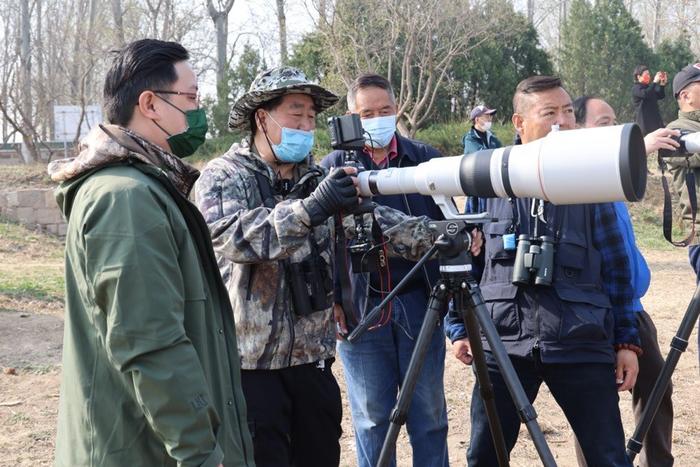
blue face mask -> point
(294, 146)
(380, 129)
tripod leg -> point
(398, 415)
(482, 376)
(678, 345)
(525, 410)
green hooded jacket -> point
(151, 374)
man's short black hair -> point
(368, 80)
(141, 65)
(533, 85)
(638, 70)
(580, 104)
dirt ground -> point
(30, 335)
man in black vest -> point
(579, 334)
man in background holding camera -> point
(575, 331)
(271, 214)
(375, 365)
(645, 97)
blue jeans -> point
(375, 367)
(587, 394)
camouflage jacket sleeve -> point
(407, 236)
(245, 234)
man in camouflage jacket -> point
(270, 212)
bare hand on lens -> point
(661, 139)
(336, 193)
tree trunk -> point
(25, 60)
(282, 20)
(220, 19)
(41, 98)
(656, 33)
(221, 26)
(322, 11)
(531, 11)
(118, 13)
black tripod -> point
(452, 246)
(678, 345)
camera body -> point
(689, 144)
(534, 261)
(347, 134)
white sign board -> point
(66, 118)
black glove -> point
(334, 194)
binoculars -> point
(534, 260)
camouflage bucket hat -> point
(274, 83)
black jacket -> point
(646, 106)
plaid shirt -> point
(608, 240)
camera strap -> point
(668, 206)
(343, 294)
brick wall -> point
(34, 207)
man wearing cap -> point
(686, 90)
(480, 136)
(272, 214)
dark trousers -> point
(294, 415)
(587, 394)
(658, 441)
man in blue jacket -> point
(477, 138)
(375, 366)
(480, 136)
(592, 112)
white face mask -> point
(486, 126)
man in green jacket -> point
(686, 90)
(151, 373)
